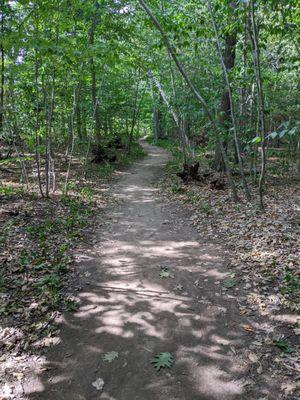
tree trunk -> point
(37, 109)
(176, 117)
(159, 119)
(228, 57)
(2, 70)
(70, 152)
(229, 97)
(78, 113)
(93, 73)
(157, 113)
(195, 92)
(261, 103)
(298, 159)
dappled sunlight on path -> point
(127, 307)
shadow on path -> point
(127, 307)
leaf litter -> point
(264, 263)
(37, 238)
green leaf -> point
(283, 133)
(71, 305)
(110, 356)
(256, 140)
(166, 273)
(163, 360)
(229, 283)
(284, 346)
(273, 135)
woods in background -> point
(219, 76)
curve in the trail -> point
(128, 308)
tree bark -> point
(229, 97)
(261, 103)
(158, 116)
(70, 152)
(228, 58)
(176, 118)
(37, 108)
(95, 22)
(2, 69)
(195, 93)
(78, 113)
(159, 119)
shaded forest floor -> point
(38, 236)
(40, 284)
(262, 250)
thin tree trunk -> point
(185, 137)
(159, 118)
(23, 167)
(135, 119)
(70, 152)
(136, 107)
(298, 159)
(195, 92)
(261, 103)
(155, 112)
(20, 160)
(48, 160)
(12, 126)
(90, 138)
(78, 113)
(93, 72)
(230, 98)
(174, 115)
(2, 70)
(228, 57)
(37, 125)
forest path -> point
(128, 308)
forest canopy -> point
(217, 75)
(149, 199)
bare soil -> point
(127, 307)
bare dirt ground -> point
(127, 307)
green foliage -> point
(291, 284)
(71, 305)
(206, 208)
(2, 282)
(110, 356)
(87, 193)
(12, 160)
(229, 283)
(284, 346)
(286, 129)
(119, 80)
(163, 360)
(166, 273)
(177, 188)
(11, 191)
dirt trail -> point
(126, 307)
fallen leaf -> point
(253, 357)
(248, 328)
(163, 360)
(289, 387)
(229, 283)
(110, 356)
(98, 384)
(166, 273)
